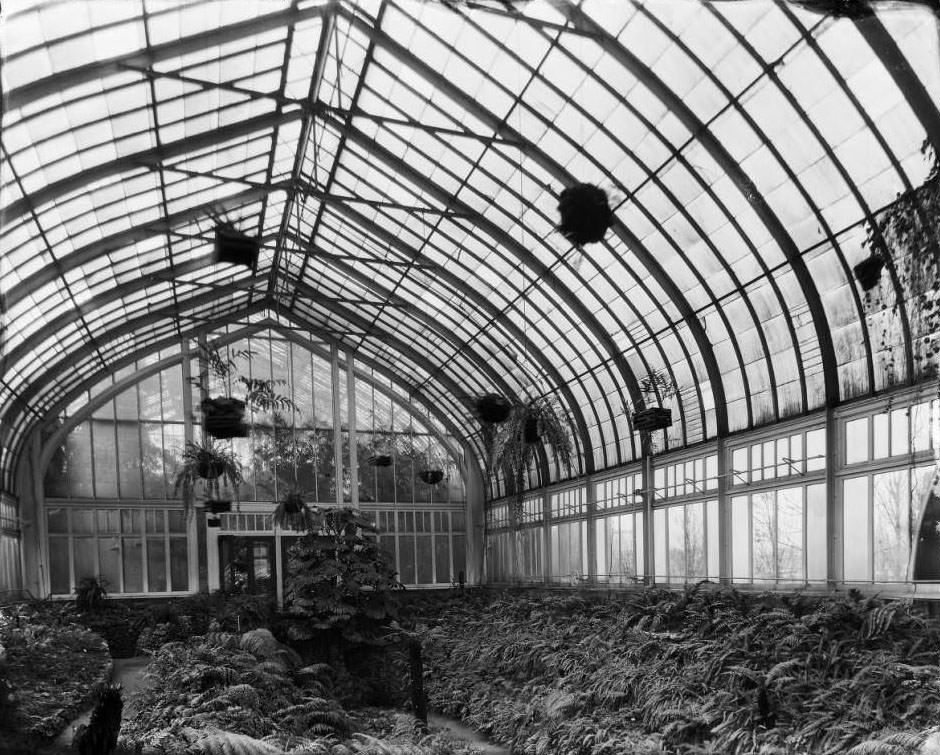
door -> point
(247, 565)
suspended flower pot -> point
(235, 247)
(585, 214)
(209, 469)
(380, 460)
(219, 506)
(654, 418)
(214, 521)
(868, 271)
(225, 417)
(431, 476)
(493, 408)
(292, 512)
(530, 430)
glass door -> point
(247, 565)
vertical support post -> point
(649, 492)
(337, 427)
(591, 507)
(834, 535)
(724, 514)
(547, 537)
(197, 523)
(353, 442)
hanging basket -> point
(234, 247)
(220, 506)
(493, 408)
(292, 512)
(214, 521)
(225, 417)
(210, 469)
(431, 476)
(380, 460)
(654, 418)
(585, 214)
(868, 271)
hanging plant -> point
(206, 464)
(868, 271)
(656, 387)
(220, 506)
(492, 408)
(837, 8)
(654, 418)
(431, 476)
(293, 513)
(380, 460)
(234, 247)
(906, 234)
(585, 214)
(224, 417)
(513, 444)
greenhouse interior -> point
(470, 376)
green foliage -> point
(706, 670)
(226, 693)
(338, 577)
(91, 594)
(508, 450)
(210, 456)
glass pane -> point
(59, 566)
(640, 542)
(856, 529)
(78, 452)
(900, 440)
(661, 555)
(83, 522)
(764, 525)
(920, 426)
(442, 571)
(856, 440)
(460, 558)
(133, 562)
(406, 559)
(677, 567)
(712, 533)
(155, 520)
(109, 521)
(109, 562)
(817, 551)
(695, 540)
(58, 521)
(131, 484)
(891, 525)
(131, 521)
(740, 539)
(424, 558)
(85, 557)
(881, 436)
(815, 450)
(179, 564)
(739, 466)
(177, 521)
(105, 460)
(156, 565)
(790, 534)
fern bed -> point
(707, 670)
(231, 694)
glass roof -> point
(401, 163)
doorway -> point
(247, 565)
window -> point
(620, 547)
(566, 503)
(695, 476)
(792, 455)
(913, 429)
(619, 492)
(686, 542)
(771, 537)
(136, 550)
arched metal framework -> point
(400, 163)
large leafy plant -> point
(338, 578)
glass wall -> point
(128, 451)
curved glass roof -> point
(401, 163)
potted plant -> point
(868, 271)
(292, 512)
(224, 417)
(655, 387)
(206, 464)
(234, 247)
(492, 408)
(585, 214)
(431, 476)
